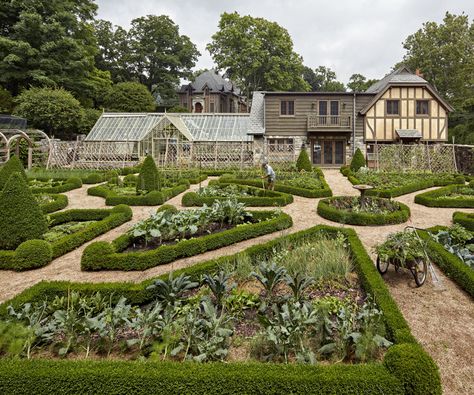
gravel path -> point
(426, 309)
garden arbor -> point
(31, 145)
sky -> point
(349, 36)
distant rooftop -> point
(214, 82)
(400, 76)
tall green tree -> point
(359, 83)
(444, 53)
(130, 97)
(47, 43)
(257, 54)
(322, 79)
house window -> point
(287, 107)
(422, 107)
(393, 107)
(334, 108)
(211, 107)
(323, 108)
(280, 145)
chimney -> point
(418, 73)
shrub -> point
(130, 97)
(167, 207)
(464, 219)
(414, 368)
(148, 179)
(13, 165)
(55, 111)
(21, 217)
(59, 202)
(303, 162)
(32, 254)
(94, 178)
(130, 180)
(459, 179)
(441, 198)
(358, 160)
(471, 183)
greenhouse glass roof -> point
(200, 127)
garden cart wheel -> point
(419, 271)
(382, 266)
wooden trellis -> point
(436, 158)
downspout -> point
(353, 122)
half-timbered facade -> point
(402, 107)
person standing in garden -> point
(269, 175)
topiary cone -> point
(358, 160)
(21, 217)
(13, 165)
(303, 162)
(148, 179)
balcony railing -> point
(328, 121)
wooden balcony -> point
(317, 122)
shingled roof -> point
(401, 75)
(214, 82)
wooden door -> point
(328, 152)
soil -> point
(441, 318)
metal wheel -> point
(382, 267)
(419, 271)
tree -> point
(55, 111)
(160, 56)
(130, 97)
(358, 160)
(89, 117)
(303, 162)
(359, 83)
(13, 165)
(6, 101)
(445, 55)
(322, 79)
(47, 43)
(178, 109)
(22, 218)
(257, 54)
(149, 178)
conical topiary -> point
(303, 162)
(11, 166)
(21, 217)
(149, 178)
(358, 160)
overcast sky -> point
(349, 36)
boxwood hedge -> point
(259, 198)
(59, 202)
(464, 219)
(100, 256)
(153, 198)
(107, 219)
(449, 263)
(68, 185)
(397, 191)
(406, 368)
(436, 198)
(325, 191)
(326, 210)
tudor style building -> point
(211, 93)
(402, 107)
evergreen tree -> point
(13, 165)
(358, 160)
(149, 178)
(303, 162)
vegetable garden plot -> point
(461, 196)
(406, 368)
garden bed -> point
(378, 211)
(251, 196)
(306, 184)
(464, 219)
(450, 263)
(54, 185)
(389, 185)
(461, 196)
(51, 202)
(111, 256)
(36, 253)
(406, 368)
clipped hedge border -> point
(59, 202)
(434, 199)
(331, 213)
(153, 198)
(412, 371)
(69, 185)
(449, 263)
(464, 219)
(108, 256)
(398, 191)
(264, 198)
(107, 219)
(325, 191)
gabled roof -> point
(257, 120)
(213, 81)
(401, 77)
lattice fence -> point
(437, 158)
(281, 155)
